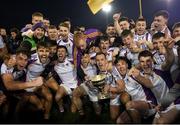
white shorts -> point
(115, 101)
(92, 96)
(68, 90)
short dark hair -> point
(124, 59)
(37, 14)
(126, 32)
(110, 25)
(62, 47)
(176, 25)
(42, 44)
(23, 51)
(141, 19)
(145, 53)
(85, 52)
(46, 18)
(66, 19)
(16, 30)
(51, 43)
(158, 35)
(64, 25)
(103, 38)
(100, 53)
(52, 27)
(163, 13)
(124, 19)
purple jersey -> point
(166, 76)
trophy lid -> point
(98, 78)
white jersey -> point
(159, 59)
(67, 73)
(35, 68)
(160, 89)
(147, 36)
(133, 57)
(68, 45)
(18, 75)
(132, 87)
(90, 70)
(5, 69)
(110, 52)
(176, 62)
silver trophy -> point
(99, 82)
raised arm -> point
(135, 73)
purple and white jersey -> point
(133, 88)
(147, 36)
(159, 89)
(110, 51)
(35, 69)
(90, 70)
(67, 73)
(159, 59)
(133, 57)
(69, 45)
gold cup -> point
(99, 82)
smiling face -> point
(127, 40)
(124, 25)
(146, 64)
(141, 27)
(39, 33)
(53, 34)
(21, 61)
(63, 32)
(159, 23)
(61, 53)
(158, 43)
(104, 46)
(101, 62)
(110, 31)
(122, 67)
(43, 54)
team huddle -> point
(140, 68)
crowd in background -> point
(42, 63)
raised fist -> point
(116, 16)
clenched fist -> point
(116, 16)
(134, 72)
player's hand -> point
(38, 82)
(116, 16)
(134, 72)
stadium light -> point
(106, 8)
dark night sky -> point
(18, 12)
